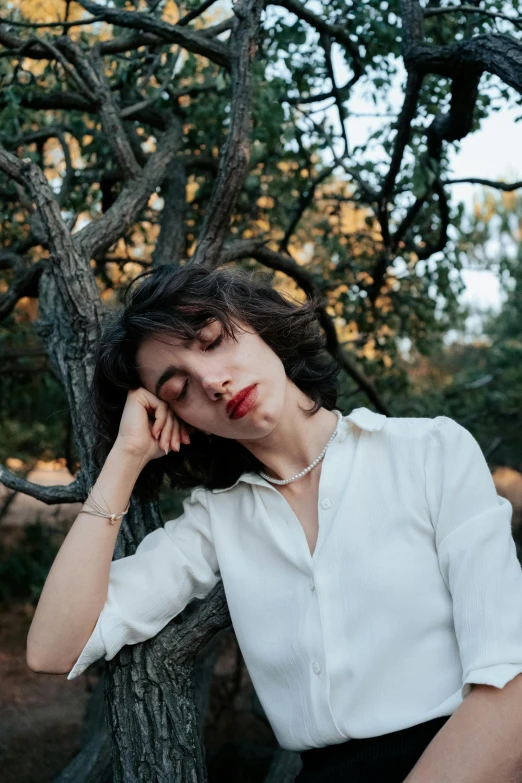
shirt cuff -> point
(93, 650)
(498, 675)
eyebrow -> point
(165, 376)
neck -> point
(296, 440)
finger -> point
(185, 437)
(166, 432)
(160, 418)
(175, 439)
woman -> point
(352, 549)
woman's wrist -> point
(128, 456)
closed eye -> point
(216, 342)
(210, 347)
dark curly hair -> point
(180, 301)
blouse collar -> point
(364, 418)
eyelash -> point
(213, 345)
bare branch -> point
(492, 52)
(93, 74)
(409, 106)
(326, 42)
(67, 493)
(77, 284)
(505, 186)
(429, 248)
(193, 42)
(410, 218)
(235, 153)
(38, 25)
(456, 123)
(306, 198)
(99, 235)
(171, 238)
(220, 27)
(336, 31)
(195, 13)
(24, 283)
(472, 9)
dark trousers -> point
(385, 759)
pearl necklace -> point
(314, 463)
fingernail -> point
(166, 450)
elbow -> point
(42, 666)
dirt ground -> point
(40, 714)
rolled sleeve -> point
(171, 566)
(477, 556)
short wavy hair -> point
(180, 301)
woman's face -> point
(198, 382)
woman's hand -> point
(149, 428)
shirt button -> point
(326, 503)
(316, 666)
(312, 585)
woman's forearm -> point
(480, 743)
(76, 587)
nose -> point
(216, 384)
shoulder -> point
(392, 427)
(424, 437)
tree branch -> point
(24, 283)
(471, 9)
(305, 199)
(93, 74)
(493, 52)
(77, 284)
(194, 42)
(505, 186)
(100, 234)
(336, 31)
(171, 238)
(67, 493)
(235, 153)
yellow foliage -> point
(288, 287)
(509, 200)
(13, 463)
(368, 350)
(384, 304)
(170, 12)
(349, 331)
(387, 361)
(264, 225)
(265, 202)
(191, 190)
(108, 295)
(36, 67)
(49, 10)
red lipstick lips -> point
(242, 402)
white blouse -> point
(413, 592)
